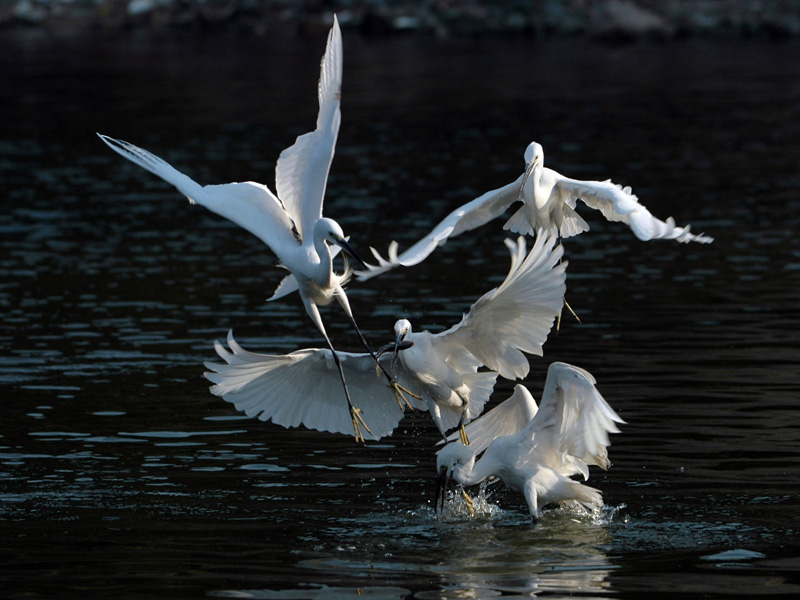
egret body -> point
(441, 369)
(567, 434)
(548, 202)
(291, 222)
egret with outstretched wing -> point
(443, 369)
(291, 222)
(548, 202)
(513, 319)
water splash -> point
(457, 508)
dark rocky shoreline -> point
(611, 20)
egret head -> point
(402, 328)
(450, 457)
(330, 230)
(534, 154)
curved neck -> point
(325, 266)
(536, 175)
(470, 472)
(533, 179)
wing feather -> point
(516, 317)
(574, 420)
(250, 205)
(507, 418)
(301, 173)
(304, 388)
(470, 216)
(618, 203)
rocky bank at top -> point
(610, 20)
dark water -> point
(122, 476)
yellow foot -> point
(470, 503)
(398, 394)
(463, 433)
(358, 423)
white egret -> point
(549, 201)
(442, 368)
(515, 317)
(291, 223)
(538, 451)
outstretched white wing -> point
(301, 173)
(250, 205)
(509, 417)
(616, 203)
(516, 317)
(571, 428)
(304, 388)
(470, 216)
(619, 203)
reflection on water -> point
(478, 558)
(120, 475)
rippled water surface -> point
(122, 476)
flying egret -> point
(567, 434)
(291, 223)
(441, 368)
(514, 318)
(549, 201)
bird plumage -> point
(440, 368)
(298, 389)
(504, 324)
(567, 434)
(291, 222)
(548, 202)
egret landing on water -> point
(442, 368)
(538, 450)
(291, 223)
(549, 201)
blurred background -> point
(607, 19)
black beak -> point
(399, 340)
(395, 347)
(441, 490)
(528, 171)
(352, 253)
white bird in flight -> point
(538, 450)
(291, 222)
(512, 319)
(441, 369)
(549, 201)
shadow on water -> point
(121, 475)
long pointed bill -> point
(441, 491)
(399, 340)
(528, 171)
(394, 347)
(352, 253)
